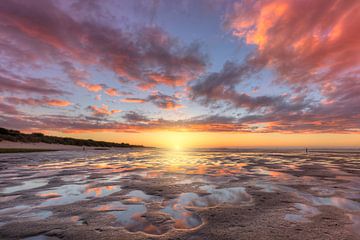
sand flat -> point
(159, 194)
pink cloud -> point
(112, 92)
(90, 87)
(10, 82)
(164, 101)
(58, 103)
(102, 111)
(130, 54)
(133, 100)
(320, 46)
(39, 102)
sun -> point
(177, 147)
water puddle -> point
(177, 209)
(235, 195)
(131, 217)
(84, 175)
(37, 215)
(305, 212)
(68, 194)
(41, 237)
(24, 212)
(26, 185)
(355, 219)
(111, 206)
(180, 208)
(8, 198)
(13, 210)
(323, 191)
(339, 202)
(138, 196)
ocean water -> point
(156, 191)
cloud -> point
(220, 86)
(8, 109)
(102, 111)
(314, 56)
(134, 117)
(58, 103)
(160, 100)
(164, 101)
(90, 87)
(136, 55)
(16, 84)
(112, 92)
(303, 49)
(135, 122)
(133, 100)
(38, 102)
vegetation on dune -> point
(17, 136)
(24, 150)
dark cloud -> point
(134, 117)
(147, 56)
(12, 83)
(102, 111)
(45, 101)
(160, 100)
(164, 101)
(8, 109)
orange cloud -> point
(102, 111)
(58, 103)
(39, 102)
(133, 100)
(112, 92)
(171, 80)
(318, 46)
(90, 87)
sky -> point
(205, 73)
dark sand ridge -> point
(150, 194)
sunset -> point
(164, 119)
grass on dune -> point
(23, 150)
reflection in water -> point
(222, 196)
(15, 209)
(41, 237)
(26, 185)
(37, 215)
(355, 219)
(74, 192)
(8, 198)
(137, 196)
(131, 217)
(342, 203)
(177, 209)
(24, 212)
(200, 179)
(305, 212)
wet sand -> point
(157, 194)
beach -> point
(162, 194)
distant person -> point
(83, 148)
(306, 151)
